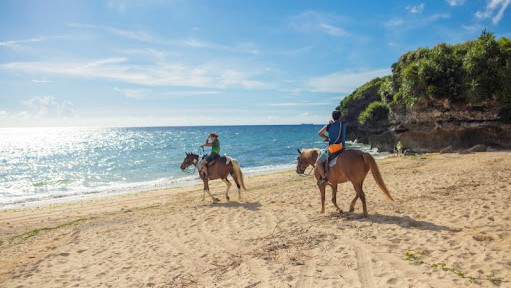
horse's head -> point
(305, 158)
(301, 164)
(190, 159)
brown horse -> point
(352, 165)
(220, 169)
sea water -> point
(44, 164)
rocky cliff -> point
(430, 126)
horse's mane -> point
(308, 153)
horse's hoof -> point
(216, 200)
(340, 212)
(352, 210)
(227, 197)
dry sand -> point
(449, 227)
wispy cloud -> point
(17, 43)
(41, 81)
(208, 75)
(142, 36)
(132, 93)
(312, 21)
(4, 114)
(191, 92)
(344, 82)
(494, 10)
(298, 104)
(395, 22)
(417, 21)
(117, 5)
(455, 2)
(124, 33)
(417, 9)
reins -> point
(309, 174)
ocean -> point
(53, 164)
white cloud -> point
(67, 109)
(455, 2)
(209, 75)
(40, 105)
(417, 9)
(494, 10)
(312, 21)
(46, 106)
(344, 82)
(3, 114)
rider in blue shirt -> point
(336, 130)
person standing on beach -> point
(336, 130)
(214, 154)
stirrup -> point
(322, 181)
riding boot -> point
(323, 178)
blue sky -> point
(204, 62)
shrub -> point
(376, 111)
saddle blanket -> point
(227, 161)
(332, 162)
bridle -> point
(192, 171)
(299, 166)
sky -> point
(120, 63)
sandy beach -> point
(450, 226)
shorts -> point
(323, 155)
(212, 157)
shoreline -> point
(451, 211)
(137, 187)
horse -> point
(220, 169)
(352, 165)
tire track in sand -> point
(226, 235)
(364, 271)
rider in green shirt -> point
(215, 152)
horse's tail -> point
(237, 171)
(368, 159)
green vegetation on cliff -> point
(355, 107)
(472, 72)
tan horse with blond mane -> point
(352, 165)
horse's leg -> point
(352, 206)
(361, 194)
(322, 189)
(334, 197)
(226, 181)
(206, 189)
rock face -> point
(430, 126)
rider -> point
(336, 135)
(215, 152)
